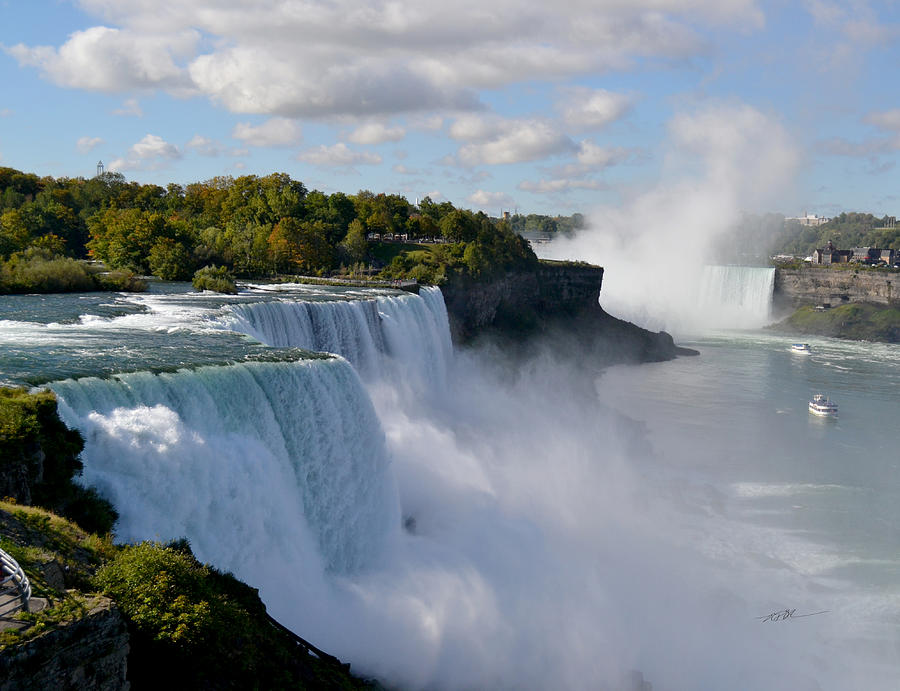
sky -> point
(535, 107)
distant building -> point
(829, 255)
(808, 219)
(863, 255)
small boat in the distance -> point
(822, 406)
(802, 348)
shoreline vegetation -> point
(857, 321)
(254, 227)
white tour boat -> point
(821, 405)
(802, 348)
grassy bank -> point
(34, 272)
(855, 321)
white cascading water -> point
(263, 466)
(687, 300)
(736, 296)
(385, 337)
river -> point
(442, 519)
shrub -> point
(216, 278)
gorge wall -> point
(813, 285)
(558, 299)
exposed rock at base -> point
(90, 653)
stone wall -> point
(90, 653)
(815, 286)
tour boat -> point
(801, 348)
(822, 406)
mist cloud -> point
(720, 161)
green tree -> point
(355, 243)
(14, 233)
(170, 260)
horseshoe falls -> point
(736, 296)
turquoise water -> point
(808, 506)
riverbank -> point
(857, 321)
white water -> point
(278, 462)
(555, 544)
(690, 300)
(731, 297)
(390, 336)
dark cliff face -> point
(556, 301)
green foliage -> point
(857, 321)
(215, 278)
(38, 271)
(210, 628)
(253, 226)
(170, 260)
(119, 280)
(846, 231)
(30, 429)
(355, 244)
(34, 273)
(166, 594)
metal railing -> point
(14, 585)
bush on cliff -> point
(211, 629)
(39, 458)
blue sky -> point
(540, 107)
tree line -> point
(255, 226)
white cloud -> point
(111, 60)
(272, 133)
(337, 156)
(886, 120)
(490, 201)
(593, 108)
(376, 133)
(493, 140)
(349, 57)
(558, 185)
(5, 112)
(130, 107)
(85, 145)
(403, 170)
(595, 157)
(204, 146)
(150, 153)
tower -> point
(99, 168)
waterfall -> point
(736, 296)
(278, 463)
(384, 337)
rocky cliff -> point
(555, 299)
(818, 285)
(89, 653)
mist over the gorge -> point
(720, 162)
